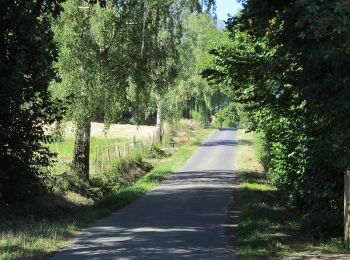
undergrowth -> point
(269, 227)
(38, 236)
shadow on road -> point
(176, 220)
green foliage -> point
(37, 238)
(228, 116)
(124, 172)
(200, 118)
(93, 63)
(191, 96)
(287, 64)
(113, 58)
(268, 226)
(68, 182)
(155, 152)
(26, 55)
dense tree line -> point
(26, 56)
(79, 60)
(287, 62)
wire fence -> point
(102, 155)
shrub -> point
(228, 116)
(124, 172)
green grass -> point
(23, 239)
(65, 149)
(268, 227)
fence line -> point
(114, 150)
(108, 152)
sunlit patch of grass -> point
(265, 224)
(98, 145)
(268, 227)
(25, 239)
(77, 199)
(60, 167)
(65, 148)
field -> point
(113, 131)
(105, 144)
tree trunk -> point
(82, 149)
(159, 125)
(146, 8)
(347, 207)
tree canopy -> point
(287, 64)
(81, 60)
(27, 52)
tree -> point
(287, 63)
(112, 55)
(165, 27)
(191, 95)
(228, 116)
(161, 34)
(26, 55)
(95, 43)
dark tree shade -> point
(26, 55)
(288, 63)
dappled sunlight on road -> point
(186, 217)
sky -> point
(224, 7)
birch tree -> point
(94, 67)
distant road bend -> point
(183, 218)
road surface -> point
(186, 217)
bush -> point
(201, 118)
(71, 182)
(124, 172)
(228, 116)
(155, 152)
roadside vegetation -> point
(87, 63)
(54, 219)
(280, 68)
(269, 226)
(81, 62)
(285, 64)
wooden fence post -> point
(108, 155)
(116, 151)
(347, 207)
(57, 148)
(119, 151)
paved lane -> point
(183, 218)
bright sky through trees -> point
(225, 7)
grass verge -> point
(65, 148)
(25, 240)
(268, 227)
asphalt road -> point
(186, 217)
